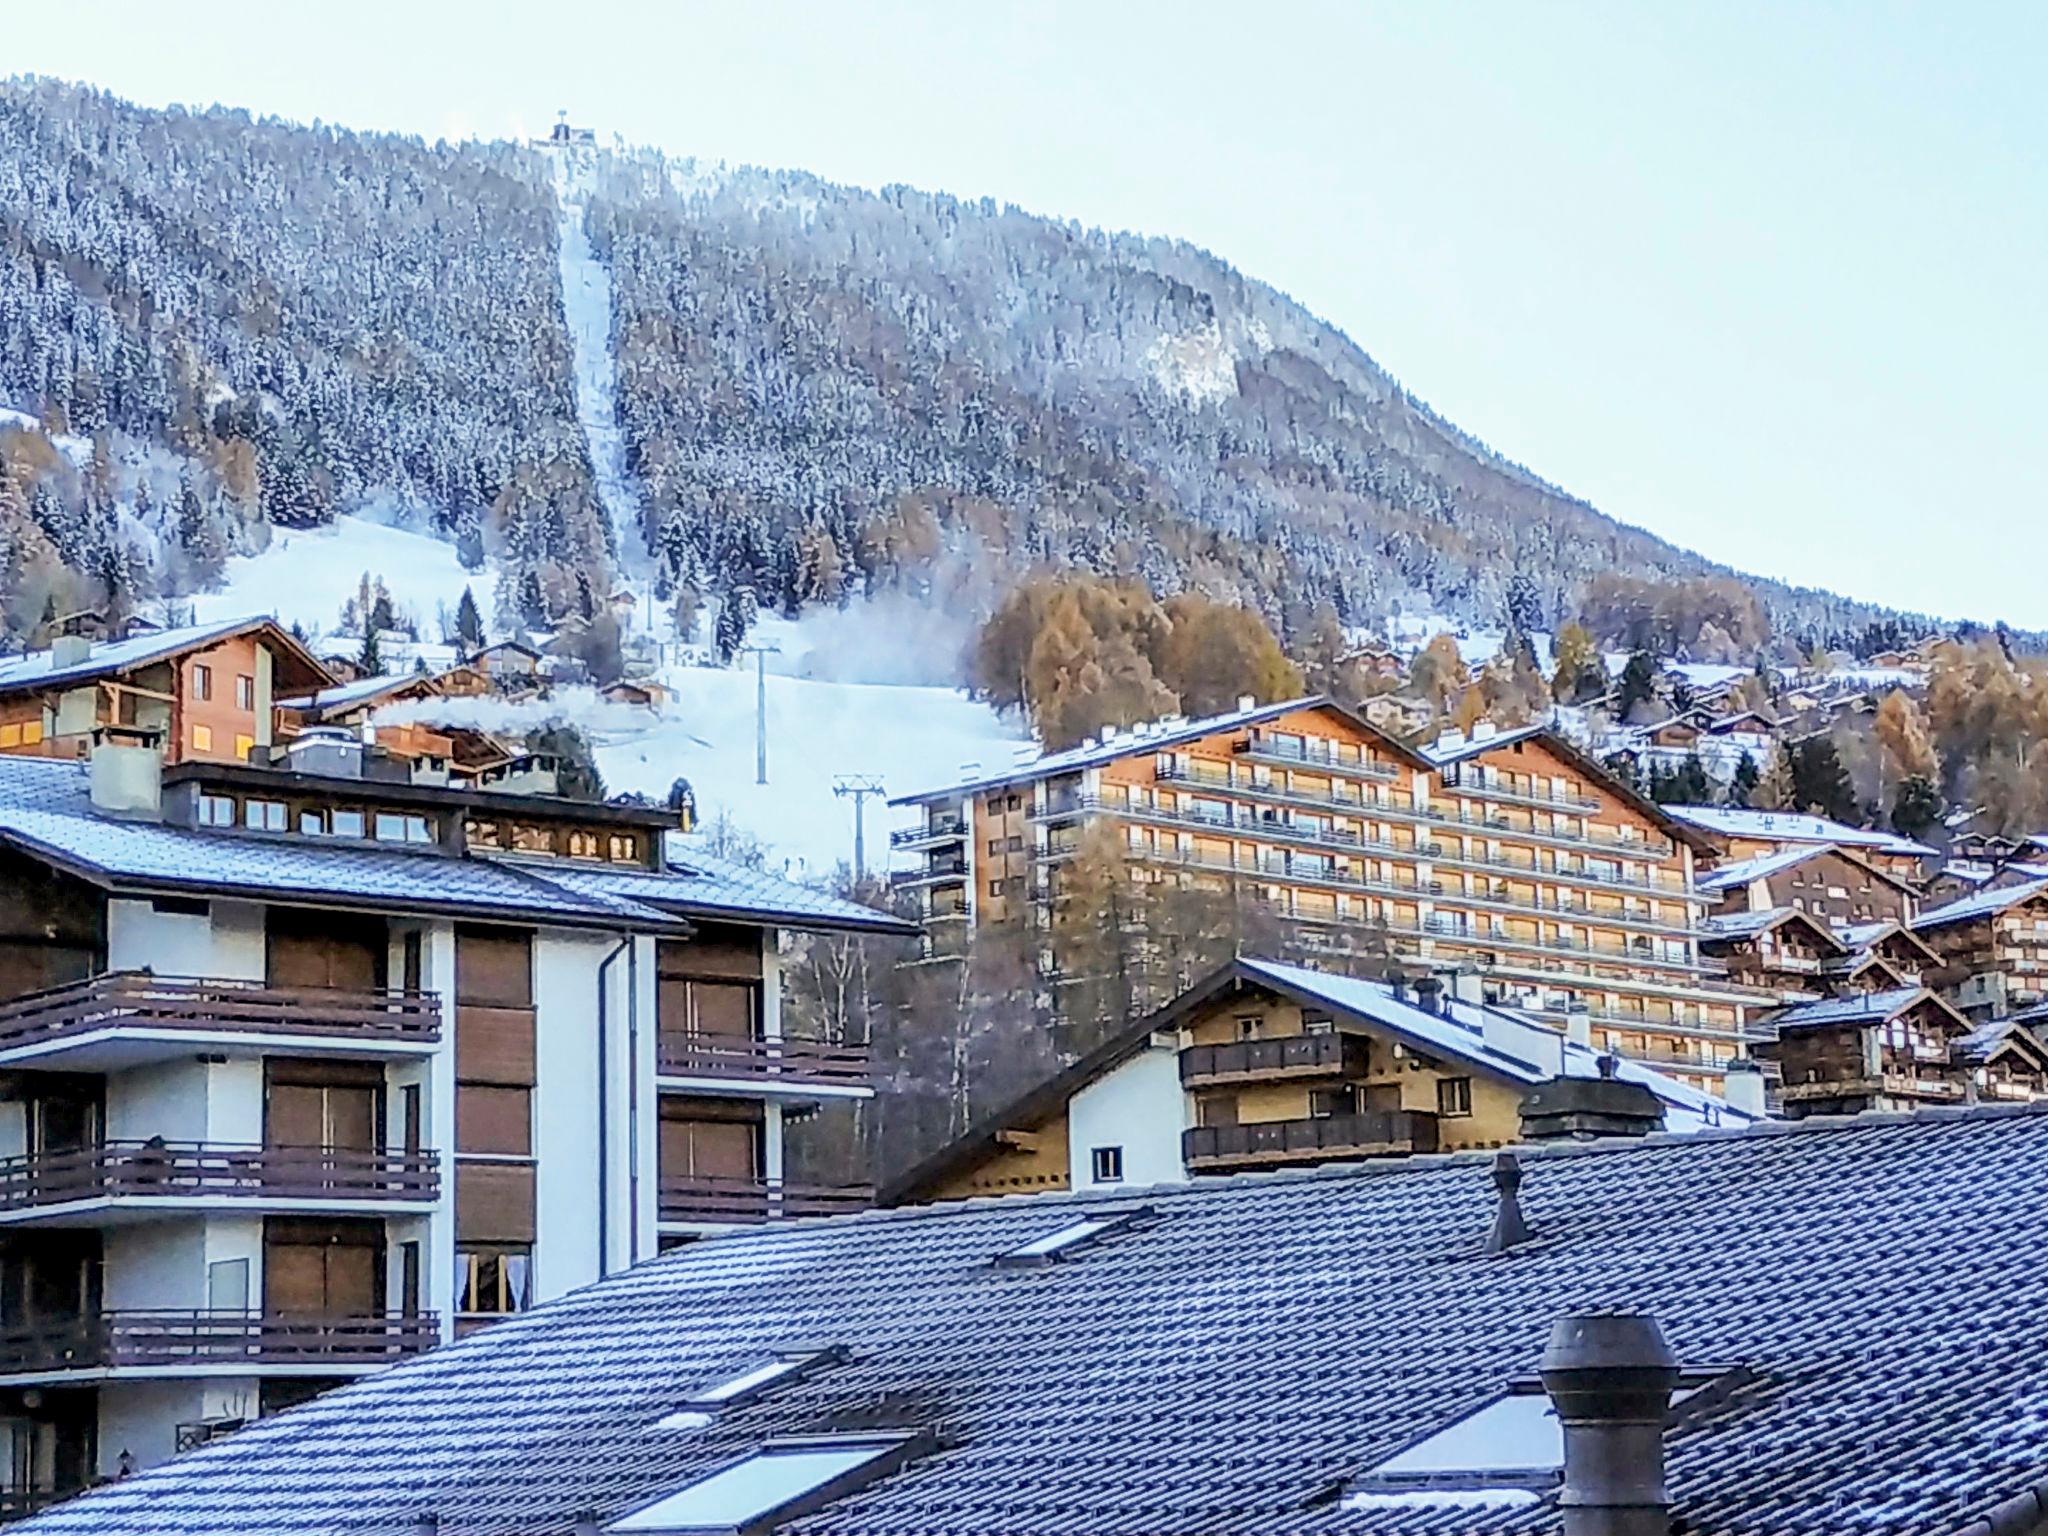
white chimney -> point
(1484, 730)
(127, 778)
(1246, 701)
(1578, 1025)
(1743, 1087)
(69, 650)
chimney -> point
(1467, 986)
(332, 751)
(70, 651)
(127, 773)
(1743, 1087)
(1578, 1024)
(1246, 701)
(1584, 1108)
(1610, 1378)
(1429, 994)
(1509, 1226)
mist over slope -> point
(820, 392)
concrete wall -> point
(156, 1264)
(1139, 1107)
(142, 1418)
(167, 1099)
(226, 942)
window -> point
(995, 846)
(202, 680)
(995, 888)
(746, 1384)
(346, 823)
(263, 815)
(1454, 1096)
(245, 693)
(492, 1280)
(1247, 1026)
(1063, 1240)
(216, 811)
(312, 823)
(202, 738)
(750, 1493)
(395, 828)
(582, 845)
(624, 848)
(10, 736)
(244, 745)
(1108, 1165)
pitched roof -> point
(1157, 736)
(1747, 925)
(1982, 904)
(35, 669)
(1994, 1036)
(364, 689)
(1860, 1008)
(1225, 1363)
(1870, 935)
(1482, 1037)
(1789, 826)
(1764, 865)
(1442, 756)
(46, 810)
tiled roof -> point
(1727, 877)
(1444, 751)
(1789, 826)
(1226, 1364)
(34, 670)
(1857, 1008)
(343, 695)
(45, 808)
(1982, 904)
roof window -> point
(782, 1480)
(1062, 1241)
(702, 1405)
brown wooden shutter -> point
(294, 1277)
(494, 1045)
(494, 1202)
(724, 1008)
(324, 949)
(491, 1119)
(296, 1116)
(494, 967)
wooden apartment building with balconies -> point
(306, 1067)
(1992, 949)
(1269, 1065)
(1510, 853)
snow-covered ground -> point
(587, 308)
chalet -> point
(1866, 1050)
(1895, 943)
(306, 1068)
(204, 692)
(437, 750)
(1267, 1065)
(1398, 715)
(1779, 949)
(2007, 1058)
(1739, 834)
(1815, 1328)
(1992, 948)
(508, 664)
(1836, 885)
(641, 693)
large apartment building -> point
(1509, 853)
(306, 1067)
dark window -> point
(1109, 1165)
(245, 693)
(1454, 1096)
(492, 1279)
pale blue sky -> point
(1766, 279)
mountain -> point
(806, 390)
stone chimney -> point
(1586, 1108)
(127, 773)
(1610, 1378)
(1743, 1087)
(1429, 994)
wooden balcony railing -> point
(790, 1059)
(140, 1000)
(1374, 1133)
(145, 1170)
(110, 1340)
(1301, 1057)
(709, 1198)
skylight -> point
(698, 1409)
(1063, 1240)
(781, 1480)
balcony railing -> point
(112, 1340)
(136, 999)
(941, 870)
(1486, 789)
(1328, 1055)
(1374, 1133)
(1313, 754)
(790, 1059)
(157, 1170)
(709, 1198)
(937, 831)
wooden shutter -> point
(493, 1120)
(494, 1202)
(726, 1149)
(324, 949)
(494, 967)
(296, 1115)
(294, 1277)
(724, 1008)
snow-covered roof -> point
(1490, 1037)
(1156, 736)
(1792, 827)
(1744, 925)
(1728, 877)
(46, 810)
(1456, 746)
(1856, 1008)
(35, 669)
(1981, 904)
(342, 695)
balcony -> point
(1299, 1058)
(942, 829)
(1377, 1133)
(932, 872)
(1313, 754)
(1458, 783)
(758, 1066)
(126, 1018)
(139, 1177)
(108, 1342)
(709, 1200)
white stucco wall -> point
(142, 1418)
(225, 942)
(1139, 1106)
(155, 1264)
(167, 1099)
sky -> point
(1770, 280)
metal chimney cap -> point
(1607, 1342)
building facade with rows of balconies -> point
(1511, 854)
(305, 1068)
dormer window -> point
(624, 848)
(216, 811)
(264, 815)
(396, 827)
(582, 845)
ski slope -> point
(587, 310)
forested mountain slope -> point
(820, 389)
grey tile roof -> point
(1983, 904)
(1221, 1367)
(1791, 826)
(45, 807)
(34, 669)
(1857, 1008)
(1728, 876)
